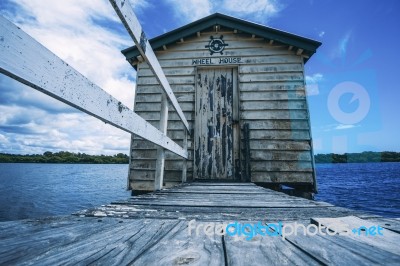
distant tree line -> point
(363, 157)
(64, 157)
(120, 158)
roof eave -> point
(308, 45)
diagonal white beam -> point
(125, 12)
(26, 60)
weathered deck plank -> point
(389, 242)
(342, 250)
(388, 223)
(218, 214)
(178, 248)
(265, 251)
(153, 229)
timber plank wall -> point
(272, 101)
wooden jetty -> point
(264, 95)
(231, 105)
(152, 229)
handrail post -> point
(185, 147)
(160, 163)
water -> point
(370, 187)
(39, 190)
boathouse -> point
(241, 86)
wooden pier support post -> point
(160, 163)
(184, 164)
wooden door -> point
(215, 120)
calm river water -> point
(38, 190)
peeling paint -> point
(143, 41)
(214, 134)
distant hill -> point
(64, 157)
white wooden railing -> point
(26, 60)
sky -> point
(353, 92)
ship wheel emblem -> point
(216, 45)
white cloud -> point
(315, 78)
(3, 139)
(88, 35)
(321, 34)
(312, 89)
(259, 10)
(191, 9)
(343, 43)
(341, 48)
(312, 84)
(69, 29)
(342, 126)
(73, 132)
(257, 7)
(332, 127)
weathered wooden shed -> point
(241, 86)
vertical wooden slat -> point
(203, 135)
(210, 150)
(184, 164)
(218, 117)
(229, 121)
(159, 174)
(236, 126)
(225, 123)
(235, 96)
(197, 126)
(247, 168)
